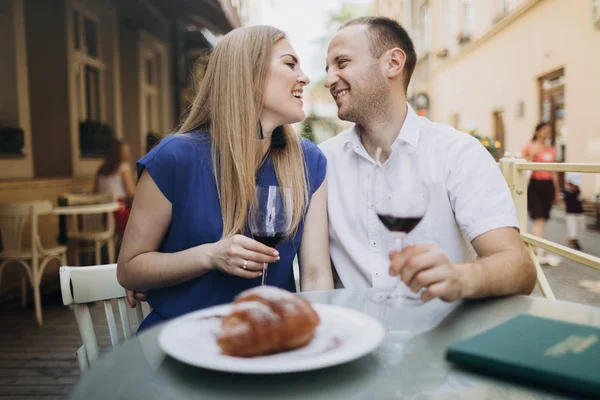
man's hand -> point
(427, 266)
(502, 268)
(133, 296)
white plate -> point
(343, 335)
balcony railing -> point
(514, 171)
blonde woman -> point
(187, 243)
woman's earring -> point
(261, 135)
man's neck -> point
(383, 130)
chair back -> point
(98, 283)
(100, 223)
(13, 220)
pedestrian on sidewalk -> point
(543, 189)
(574, 208)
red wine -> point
(270, 239)
(399, 224)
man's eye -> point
(342, 63)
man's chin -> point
(344, 115)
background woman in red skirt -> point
(114, 175)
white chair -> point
(13, 219)
(82, 285)
(96, 229)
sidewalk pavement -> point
(564, 279)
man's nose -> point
(330, 78)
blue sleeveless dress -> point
(181, 166)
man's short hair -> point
(385, 34)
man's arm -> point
(503, 268)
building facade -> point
(75, 72)
(498, 67)
(255, 12)
(78, 73)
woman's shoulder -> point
(311, 151)
(181, 147)
(195, 140)
(179, 150)
(316, 164)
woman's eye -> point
(291, 65)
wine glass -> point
(401, 200)
(270, 217)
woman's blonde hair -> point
(228, 104)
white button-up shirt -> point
(468, 196)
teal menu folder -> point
(546, 352)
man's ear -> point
(396, 60)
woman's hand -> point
(239, 255)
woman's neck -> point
(267, 132)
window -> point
(154, 93)
(455, 121)
(505, 6)
(92, 89)
(498, 123)
(425, 16)
(76, 29)
(468, 17)
(90, 37)
(151, 92)
(89, 66)
(408, 15)
(447, 24)
(512, 4)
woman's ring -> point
(245, 264)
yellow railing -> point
(514, 171)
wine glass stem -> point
(264, 273)
(399, 241)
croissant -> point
(266, 320)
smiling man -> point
(369, 65)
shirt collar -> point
(409, 133)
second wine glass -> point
(401, 200)
(270, 217)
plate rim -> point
(367, 347)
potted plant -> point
(12, 141)
(442, 53)
(94, 138)
(307, 128)
(463, 38)
(492, 146)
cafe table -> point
(79, 210)
(87, 209)
(409, 364)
